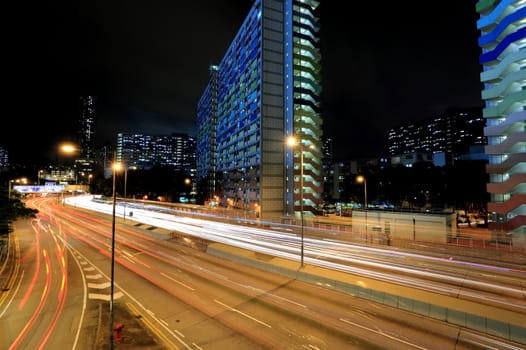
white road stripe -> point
(242, 313)
(105, 297)
(99, 285)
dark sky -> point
(384, 63)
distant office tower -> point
(503, 42)
(267, 89)
(86, 130)
(85, 159)
(146, 151)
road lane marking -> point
(176, 281)
(158, 332)
(383, 334)
(13, 294)
(242, 313)
(105, 297)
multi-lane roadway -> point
(192, 300)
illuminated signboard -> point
(48, 187)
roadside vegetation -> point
(11, 210)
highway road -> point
(42, 304)
(486, 283)
(192, 300)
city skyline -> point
(148, 76)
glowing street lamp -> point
(39, 176)
(360, 179)
(22, 180)
(188, 182)
(292, 142)
(69, 149)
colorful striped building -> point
(502, 26)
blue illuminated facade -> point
(266, 88)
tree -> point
(11, 210)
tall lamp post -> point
(292, 142)
(115, 167)
(39, 176)
(90, 176)
(9, 189)
(125, 185)
(361, 179)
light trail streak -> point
(37, 267)
(286, 245)
(23, 334)
(60, 250)
(267, 240)
(12, 281)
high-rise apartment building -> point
(267, 89)
(206, 137)
(444, 138)
(502, 39)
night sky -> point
(384, 64)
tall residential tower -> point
(267, 89)
(502, 28)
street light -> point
(292, 142)
(115, 167)
(361, 179)
(39, 176)
(9, 189)
(68, 149)
(22, 180)
(189, 184)
(125, 185)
